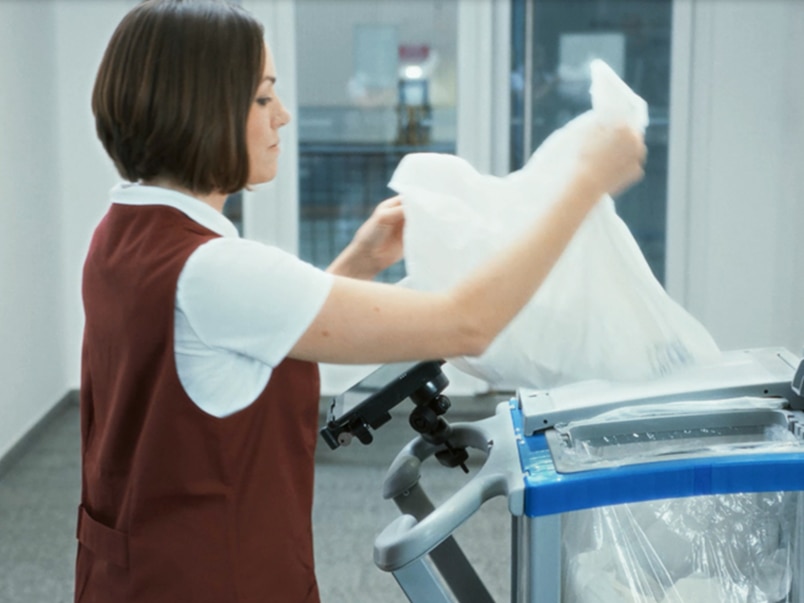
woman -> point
(199, 394)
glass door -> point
(376, 80)
(552, 42)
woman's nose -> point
(282, 116)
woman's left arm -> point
(377, 244)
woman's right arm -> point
(368, 322)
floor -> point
(39, 495)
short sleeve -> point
(249, 298)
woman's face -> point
(266, 116)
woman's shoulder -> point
(238, 254)
(231, 264)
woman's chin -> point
(259, 183)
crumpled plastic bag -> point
(600, 314)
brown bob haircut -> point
(174, 90)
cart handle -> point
(405, 540)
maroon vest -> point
(178, 506)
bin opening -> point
(674, 431)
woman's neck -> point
(214, 200)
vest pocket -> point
(105, 542)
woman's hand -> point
(611, 156)
(377, 244)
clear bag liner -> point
(728, 548)
(600, 314)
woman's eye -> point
(263, 100)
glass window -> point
(552, 41)
(376, 80)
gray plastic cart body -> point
(420, 551)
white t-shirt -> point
(240, 306)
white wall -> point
(271, 211)
(33, 374)
(54, 181)
(736, 205)
(83, 28)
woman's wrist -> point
(586, 189)
(354, 263)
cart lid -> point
(751, 372)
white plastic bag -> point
(601, 314)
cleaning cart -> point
(734, 428)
